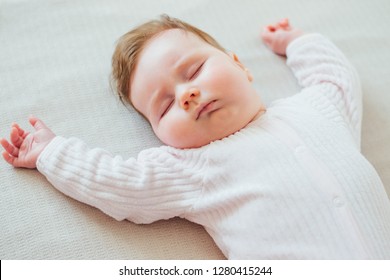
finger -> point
(284, 23)
(37, 123)
(21, 132)
(271, 28)
(14, 161)
(10, 149)
(3, 141)
(266, 35)
(16, 140)
(8, 158)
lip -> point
(205, 108)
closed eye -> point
(197, 71)
(167, 108)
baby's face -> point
(191, 92)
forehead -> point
(167, 46)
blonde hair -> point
(131, 44)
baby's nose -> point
(188, 97)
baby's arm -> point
(278, 36)
(158, 184)
(24, 147)
(155, 185)
(321, 69)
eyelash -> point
(197, 71)
(167, 109)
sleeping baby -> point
(284, 181)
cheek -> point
(224, 76)
(174, 131)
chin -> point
(191, 144)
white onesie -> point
(291, 185)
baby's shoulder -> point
(167, 155)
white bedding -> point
(55, 62)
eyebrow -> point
(180, 62)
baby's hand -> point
(25, 147)
(278, 36)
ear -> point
(238, 62)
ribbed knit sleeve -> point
(321, 67)
(159, 184)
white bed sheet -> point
(55, 61)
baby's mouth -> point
(205, 108)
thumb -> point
(37, 123)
